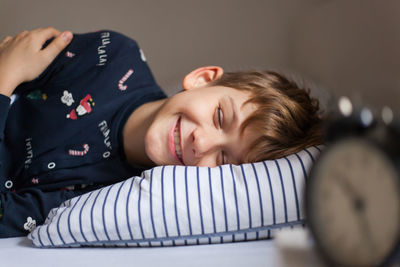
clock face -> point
(353, 204)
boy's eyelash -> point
(220, 119)
(220, 115)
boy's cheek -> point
(153, 144)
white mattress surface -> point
(20, 252)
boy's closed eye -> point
(220, 122)
(220, 115)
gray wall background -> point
(351, 47)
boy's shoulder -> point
(104, 37)
(105, 46)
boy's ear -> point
(202, 76)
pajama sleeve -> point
(4, 107)
(17, 207)
(24, 210)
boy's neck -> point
(134, 132)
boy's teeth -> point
(177, 143)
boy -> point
(95, 116)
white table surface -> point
(20, 252)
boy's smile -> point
(174, 141)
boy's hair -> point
(287, 117)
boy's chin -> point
(158, 160)
(154, 153)
(154, 157)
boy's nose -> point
(204, 142)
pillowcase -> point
(182, 205)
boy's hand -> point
(22, 58)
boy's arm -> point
(4, 106)
(24, 210)
(23, 58)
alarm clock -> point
(353, 191)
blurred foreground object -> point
(353, 193)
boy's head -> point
(287, 118)
(232, 118)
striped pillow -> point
(178, 205)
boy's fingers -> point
(57, 45)
(6, 39)
(22, 34)
(47, 33)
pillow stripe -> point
(115, 210)
(163, 201)
(309, 153)
(91, 214)
(283, 191)
(259, 196)
(48, 234)
(302, 166)
(272, 194)
(151, 203)
(199, 197)
(185, 205)
(49, 220)
(236, 201)
(175, 203)
(40, 239)
(80, 216)
(223, 198)
(295, 189)
(127, 208)
(248, 199)
(187, 201)
(69, 219)
(58, 223)
(83, 225)
(103, 213)
(163, 205)
(211, 201)
(166, 227)
(139, 213)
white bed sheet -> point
(20, 252)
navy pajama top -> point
(62, 136)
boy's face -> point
(200, 126)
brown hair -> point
(287, 117)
